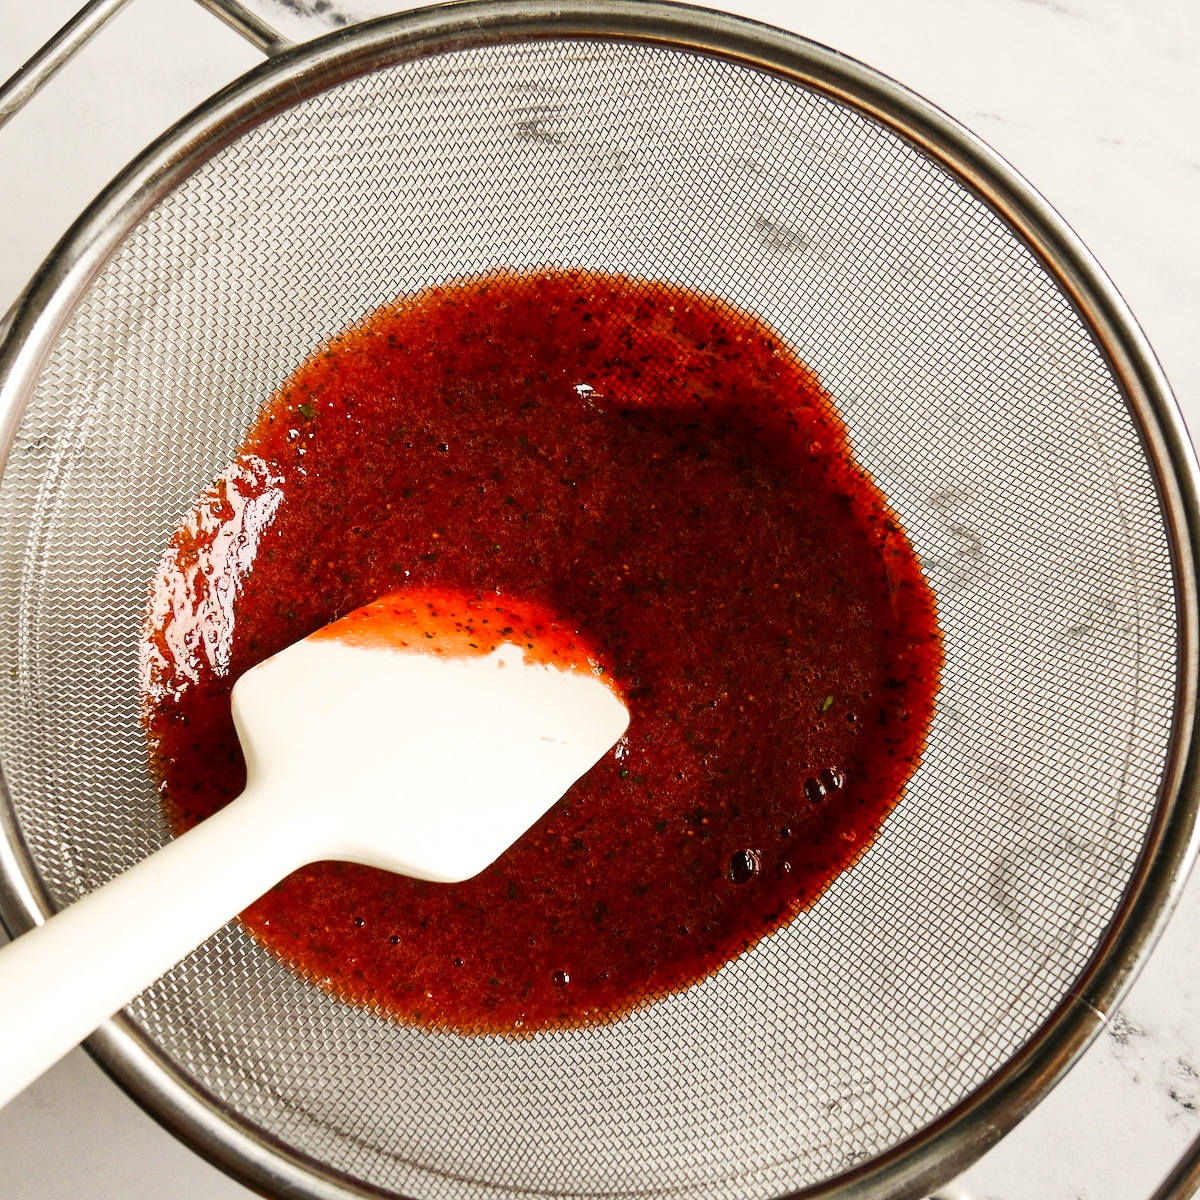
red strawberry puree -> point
(658, 470)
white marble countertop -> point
(1097, 102)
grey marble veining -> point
(1097, 102)
(326, 13)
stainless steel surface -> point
(993, 382)
(55, 54)
(249, 24)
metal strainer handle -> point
(33, 75)
(29, 78)
(1184, 1179)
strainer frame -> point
(942, 1149)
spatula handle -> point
(59, 981)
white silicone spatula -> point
(397, 737)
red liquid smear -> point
(660, 471)
(441, 621)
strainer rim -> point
(942, 1149)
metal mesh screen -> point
(973, 393)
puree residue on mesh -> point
(658, 470)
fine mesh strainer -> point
(992, 382)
